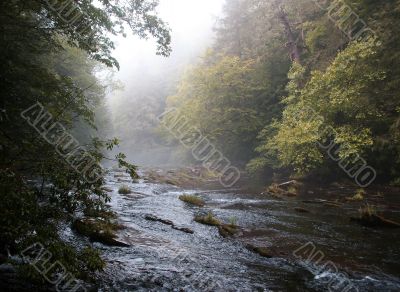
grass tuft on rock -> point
(192, 199)
(370, 218)
(98, 230)
(227, 230)
(359, 196)
(277, 190)
(367, 211)
(208, 219)
(233, 221)
(124, 190)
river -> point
(160, 258)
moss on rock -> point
(98, 230)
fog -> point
(147, 79)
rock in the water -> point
(118, 242)
(168, 222)
(289, 189)
(151, 218)
(183, 229)
(192, 200)
(333, 204)
(317, 202)
(227, 230)
(208, 219)
(262, 251)
(99, 231)
(301, 210)
(154, 218)
(375, 221)
(124, 190)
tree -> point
(49, 52)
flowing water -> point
(160, 258)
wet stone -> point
(156, 219)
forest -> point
(241, 151)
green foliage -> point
(46, 60)
(130, 168)
(99, 212)
(221, 99)
(92, 259)
(338, 104)
(247, 99)
(82, 264)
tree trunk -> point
(292, 43)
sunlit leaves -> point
(343, 98)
